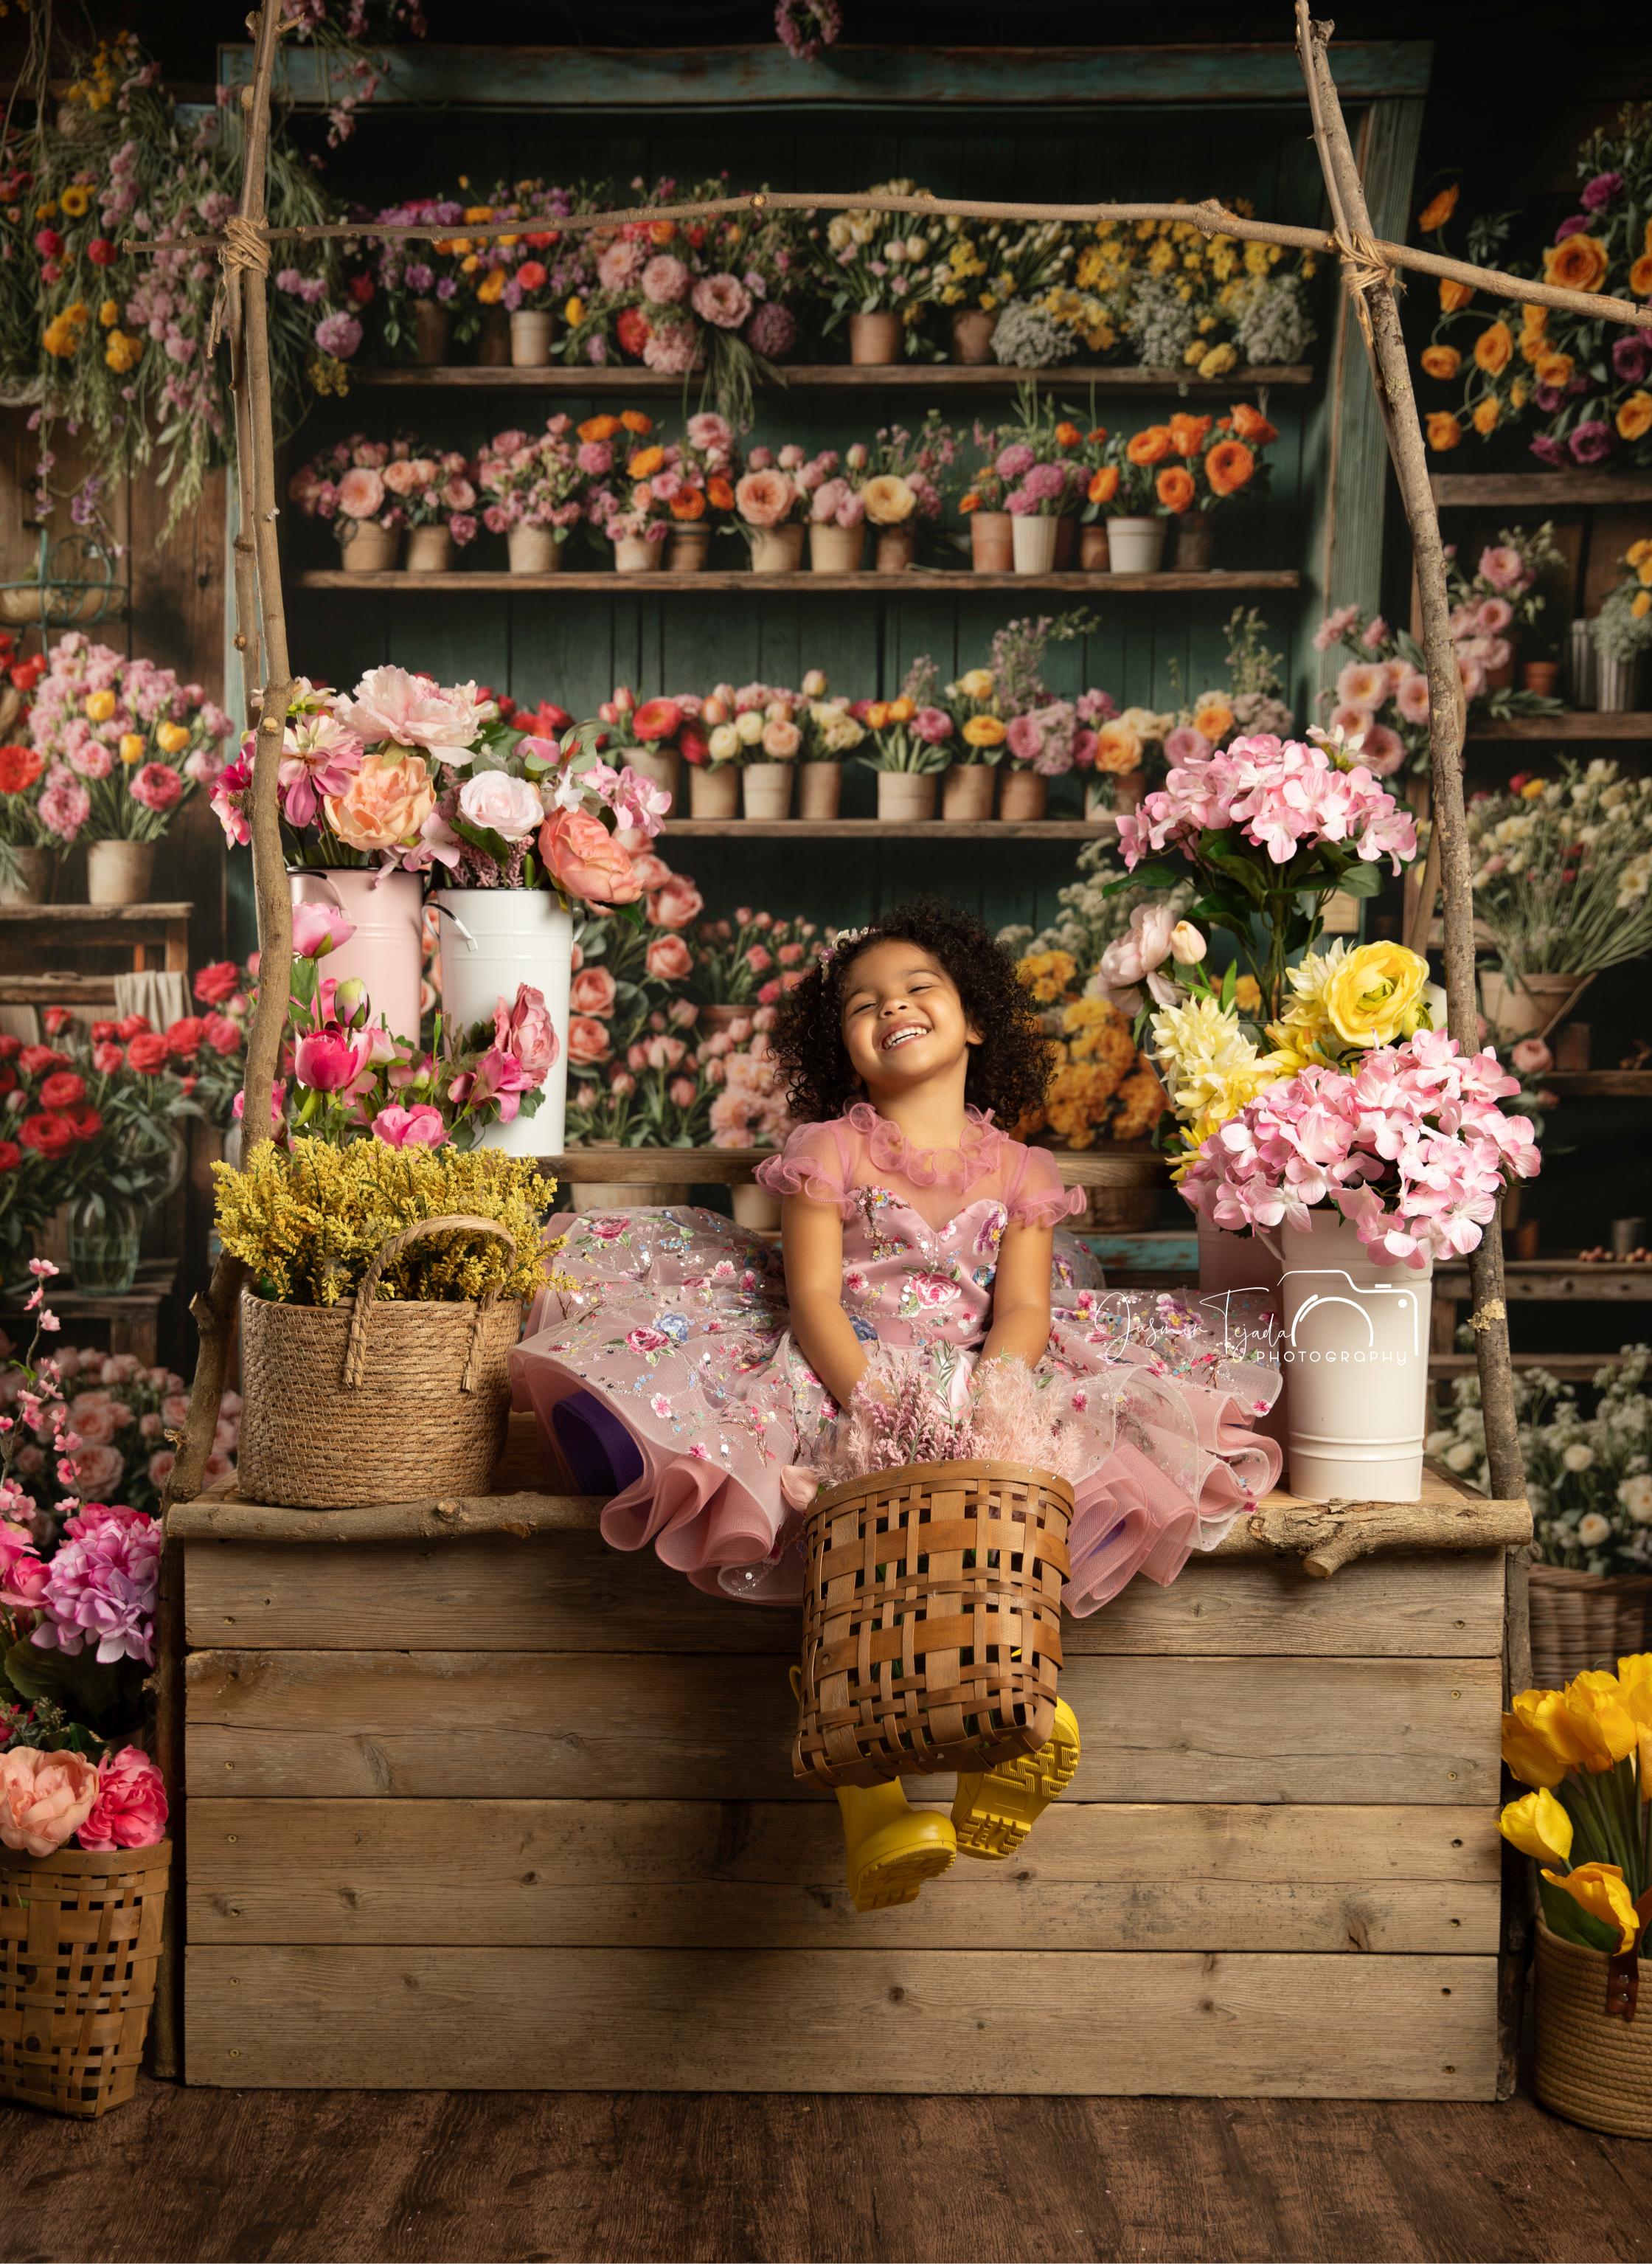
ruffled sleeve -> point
(816, 1162)
(1034, 1195)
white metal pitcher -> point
(492, 941)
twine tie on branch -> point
(1364, 270)
(245, 245)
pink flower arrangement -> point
(47, 1799)
(1411, 1148)
(101, 1586)
(531, 480)
(356, 482)
(1281, 795)
(123, 742)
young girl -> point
(686, 1378)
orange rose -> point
(1577, 265)
(1634, 418)
(1188, 435)
(1067, 436)
(1452, 295)
(1444, 431)
(1486, 413)
(1494, 348)
(1640, 276)
(1441, 361)
(1105, 484)
(969, 503)
(1229, 467)
(1149, 447)
(585, 860)
(646, 460)
(1175, 484)
(1533, 316)
(688, 503)
(1553, 369)
(635, 421)
(1250, 425)
(1437, 210)
(386, 803)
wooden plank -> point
(43, 919)
(1562, 1281)
(1558, 1363)
(1588, 725)
(863, 830)
(574, 1594)
(57, 990)
(1601, 1083)
(832, 377)
(1547, 491)
(490, 581)
(860, 78)
(375, 1725)
(710, 1875)
(309, 2019)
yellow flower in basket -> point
(1603, 1723)
(1526, 1753)
(1538, 1825)
(1376, 995)
(1599, 1889)
(1634, 1680)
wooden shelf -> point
(496, 581)
(1586, 725)
(1576, 1365)
(831, 377)
(874, 828)
(1125, 1164)
(51, 990)
(1601, 1083)
(81, 917)
(1564, 1279)
(1542, 490)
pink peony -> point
(44, 1799)
(501, 1079)
(722, 301)
(389, 703)
(318, 929)
(418, 1127)
(665, 280)
(130, 1809)
(1492, 616)
(1503, 567)
(22, 1575)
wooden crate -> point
(475, 1801)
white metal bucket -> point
(492, 941)
(388, 948)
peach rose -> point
(587, 1040)
(585, 860)
(44, 1799)
(361, 493)
(676, 902)
(668, 958)
(593, 991)
(764, 498)
(384, 803)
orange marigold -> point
(599, 428)
(1441, 361)
(635, 421)
(1229, 467)
(1175, 486)
(719, 493)
(688, 503)
(1149, 447)
(1067, 435)
(646, 460)
(1444, 431)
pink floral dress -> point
(678, 1323)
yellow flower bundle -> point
(1586, 1751)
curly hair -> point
(1008, 1071)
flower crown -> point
(844, 940)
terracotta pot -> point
(634, 554)
(966, 793)
(972, 334)
(662, 764)
(894, 549)
(1092, 547)
(874, 340)
(1136, 546)
(905, 795)
(991, 543)
(1571, 1047)
(430, 550)
(687, 549)
(1113, 791)
(533, 551)
(768, 789)
(530, 330)
(1066, 543)
(1024, 796)
(27, 876)
(1032, 544)
(715, 791)
(493, 341)
(1499, 679)
(119, 872)
(757, 1208)
(1195, 543)
(1523, 1008)
(371, 550)
(820, 788)
(836, 549)
(1540, 676)
(432, 329)
(776, 550)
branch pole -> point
(1211, 217)
(1379, 316)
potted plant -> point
(713, 783)
(1497, 612)
(1042, 467)
(992, 528)
(440, 501)
(977, 746)
(532, 487)
(835, 486)
(1379, 700)
(831, 732)
(910, 745)
(345, 486)
(762, 738)
(748, 1105)
(697, 488)
(1042, 736)
(29, 848)
(653, 737)
(124, 744)
(1623, 632)
(877, 270)
(1138, 517)
(1218, 462)
(772, 509)
(1099, 461)
(1586, 1752)
(533, 294)
(745, 963)
(1560, 868)
(984, 264)
(902, 489)
(415, 282)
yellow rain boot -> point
(994, 1812)
(889, 1848)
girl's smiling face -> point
(903, 1022)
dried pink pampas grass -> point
(897, 1417)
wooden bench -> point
(475, 1801)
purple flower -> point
(419, 279)
(338, 334)
(1591, 443)
(446, 288)
(773, 331)
(1548, 398)
(1574, 224)
(1015, 460)
(1601, 190)
(1631, 358)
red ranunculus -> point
(184, 1036)
(130, 1027)
(692, 744)
(633, 332)
(48, 1136)
(56, 1019)
(361, 289)
(10, 1155)
(656, 719)
(19, 767)
(222, 1033)
(62, 1089)
(8, 1077)
(28, 673)
(86, 1121)
(146, 1053)
(215, 984)
(35, 1061)
(108, 1059)
(101, 1031)
(10, 1045)
(531, 274)
(101, 252)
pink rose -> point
(682, 1091)
(130, 1809)
(676, 904)
(386, 803)
(647, 1340)
(22, 1575)
(318, 929)
(510, 806)
(587, 1040)
(44, 1799)
(98, 1471)
(764, 498)
(585, 860)
(361, 493)
(326, 1060)
(1531, 1057)
(593, 991)
(668, 958)
(524, 1029)
(93, 1420)
(419, 1127)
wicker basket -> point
(931, 1621)
(363, 1402)
(80, 1937)
(1593, 2066)
(1584, 1620)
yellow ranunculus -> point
(100, 706)
(976, 684)
(889, 499)
(1538, 1825)
(171, 738)
(984, 731)
(1376, 995)
(109, 313)
(131, 748)
(1598, 1888)
(1577, 263)
(490, 290)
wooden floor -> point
(305, 2175)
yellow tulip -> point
(171, 738)
(1634, 1680)
(131, 747)
(1528, 1757)
(1538, 1825)
(1608, 1729)
(100, 706)
(1598, 1888)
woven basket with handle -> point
(931, 1621)
(1593, 2065)
(366, 1401)
(1584, 1620)
(80, 1938)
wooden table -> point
(152, 936)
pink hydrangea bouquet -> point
(122, 743)
(348, 486)
(1410, 1147)
(532, 480)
